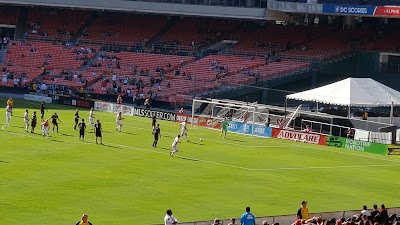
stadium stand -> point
(123, 28)
(9, 15)
(44, 23)
(199, 32)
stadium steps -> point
(91, 61)
(21, 23)
(3, 53)
(84, 26)
(171, 22)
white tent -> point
(364, 92)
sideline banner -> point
(126, 110)
(349, 9)
(393, 150)
(357, 145)
(37, 98)
(246, 128)
(299, 136)
(389, 11)
(149, 113)
(104, 106)
(199, 121)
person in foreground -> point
(247, 218)
(84, 220)
(169, 219)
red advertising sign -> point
(299, 136)
(390, 11)
(200, 121)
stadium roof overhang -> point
(149, 7)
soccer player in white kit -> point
(175, 145)
(91, 118)
(119, 122)
(45, 128)
(184, 130)
(8, 114)
(26, 120)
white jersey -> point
(26, 117)
(175, 143)
(118, 119)
(183, 127)
(91, 116)
(170, 220)
(8, 109)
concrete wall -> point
(289, 219)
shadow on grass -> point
(234, 140)
(184, 158)
(1, 161)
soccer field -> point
(127, 181)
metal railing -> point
(389, 67)
(229, 3)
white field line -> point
(223, 164)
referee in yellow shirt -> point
(84, 220)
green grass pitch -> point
(127, 181)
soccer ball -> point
(201, 139)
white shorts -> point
(45, 130)
(8, 115)
(26, 122)
(91, 121)
(174, 148)
(183, 132)
(119, 123)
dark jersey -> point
(77, 116)
(82, 126)
(156, 133)
(97, 128)
(34, 120)
(153, 123)
(42, 107)
(54, 119)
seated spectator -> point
(216, 222)
(383, 214)
(232, 221)
(375, 211)
(364, 210)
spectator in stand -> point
(375, 211)
(365, 115)
(302, 213)
(265, 222)
(216, 222)
(181, 111)
(365, 212)
(4, 79)
(280, 123)
(84, 220)
(169, 219)
(43, 88)
(119, 99)
(383, 214)
(232, 222)
(307, 130)
(350, 134)
(248, 218)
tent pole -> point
(391, 113)
(317, 108)
(349, 113)
(285, 107)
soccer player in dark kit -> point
(82, 128)
(54, 121)
(33, 122)
(97, 131)
(76, 118)
(42, 108)
(157, 134)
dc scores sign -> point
(299, 136)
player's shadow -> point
(1, 161)
(195, 143)
(108, 146)
(124, 132)
(162, 148)
(184, 158)
(69, 135)
(55, 140)
(169, 136)
(234, 140)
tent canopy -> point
(364, 92)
